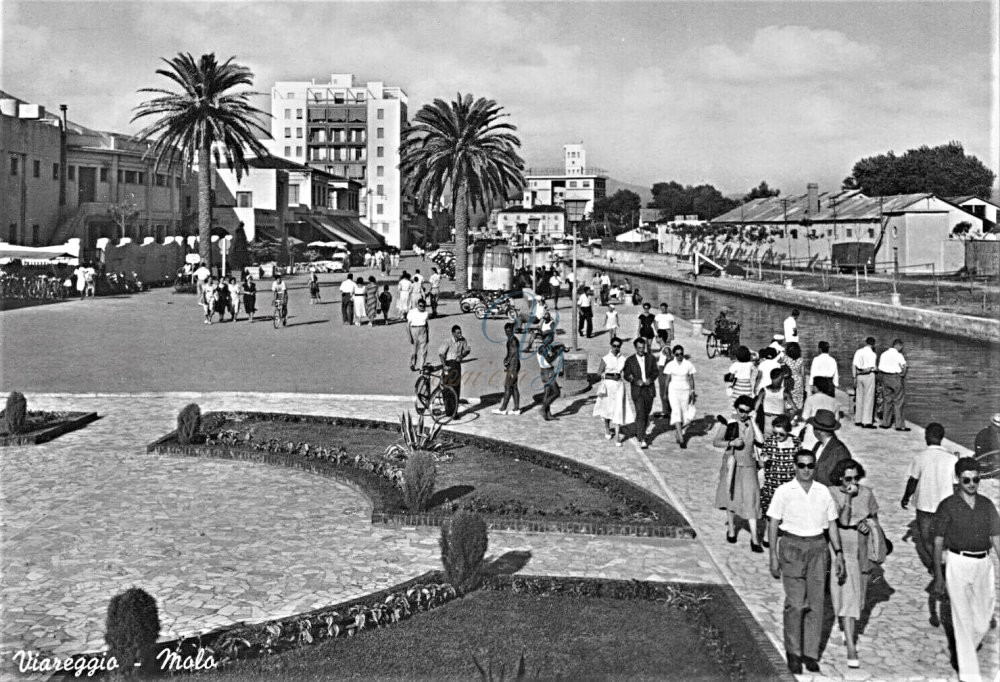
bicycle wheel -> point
(989, 464)
(711, 345)
(284, 316)
(422, 394)
(441, 399)
(276, 318)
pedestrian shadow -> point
(878, 591)
(573, 407)
(508, 563)
(306, 324)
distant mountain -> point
(645, 193)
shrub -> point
(188, 422)
(463, 546)
(16, 412)
(418, 480)
(132, 627)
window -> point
(244, 199)
(121, 175)
(380, 114)
(36, 169)
(161, 179)
(293, 195)
(140, 178)
(380, 133)
(288, 132)
(380, 171)
(380, 152)
(55, 171)
(298, 133)
(12, 233)
(871, 232)
(290, 95)
(130, 177)
(13, 165)
(298, 151)
(35, 233)
(71, 173)
(298, 114)
(850, 232)
(379, 209)
(572, 184)
(380, 190)
(585, 183)
(103, 174)
(829, 232)
(288, 113)
(288, 151)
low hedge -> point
(383, 481)
(42, 426)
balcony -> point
(560, 171)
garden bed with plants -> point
(19, 426)
(512, 487)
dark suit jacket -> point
(632, 374)
(834, 452)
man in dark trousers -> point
(452, 352)
(828, 449)
(512, 372)
(640, 371)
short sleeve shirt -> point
(678, 372)
(934, 469)
(417, 318)
(347, 287)
(664, 320)
(963, 528)
(791, 329)
(891, 362)
(865, 358)
(802, 513)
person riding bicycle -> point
(723, 325)
(280, 291)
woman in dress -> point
(221, 299)
(614, 405)
(777, 455)
(646, 320)
(313, 287)
(207, 299)
(823, 398)
(611, 321)
(858, 512)
(371, 300)
(403, 295)
(795, 364)
(743, 373)
(680, 391)
(739, 492)
(249, 296)
(771, 401)
(234, 298)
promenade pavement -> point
(62, 557)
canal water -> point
(950, 381)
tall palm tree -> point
(206, 117)
(464, 155)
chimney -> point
(812, 199)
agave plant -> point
(415, 439)
(500, 674)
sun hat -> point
(995, 420)
(824, 420)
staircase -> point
(72, 225)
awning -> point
(331, 231)
(346, 228)
(49, 253)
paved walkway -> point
(91, 513)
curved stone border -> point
(386, 499)
(74, 421)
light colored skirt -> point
(617, 405)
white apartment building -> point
(573, 187)
(351, 131)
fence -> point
(982, 258)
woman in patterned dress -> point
(738, 491)
(614, 405)
(794, 362)
(777, 454)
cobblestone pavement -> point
(58, 572)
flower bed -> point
(526, 489)
(41, 427)
(566, 627)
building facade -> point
(351, 131)
(551, 222)
(574, 187)
(62, 180)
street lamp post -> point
(576, 345)
(533, 230)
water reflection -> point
(949, 380)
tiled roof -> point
(843, 205)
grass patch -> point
(573, 637)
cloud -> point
(778, 52)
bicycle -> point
(437, 399)
(280, 317)
(989, 464)
(724, 341)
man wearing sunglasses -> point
(804, 511)
(966, 525)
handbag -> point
(602, 390)
(877, 547)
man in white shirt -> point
(605, 288)
(435, 282)
(777, 343)
(892, 373)
(791, 327)
(555, 282)
(802, 510)
(823, 365)
(663, 325)
(420, 334)
(768, 362)
(931, 480)
(863, 368)
(347, 289)
(586, 312)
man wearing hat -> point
(988, 439)
(828, 449)
(777, 343)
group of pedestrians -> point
(226, 296)
(360, 300)
(381, 259)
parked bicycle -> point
(440, 401)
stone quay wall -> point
(665, 267)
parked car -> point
(338, 263)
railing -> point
(561, 170)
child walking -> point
(384, 303)
(313, 287)
(611, 321)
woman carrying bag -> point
(738, 491)
(858, 523)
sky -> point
(726, 93)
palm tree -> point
(464, 155)
(206, 117)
